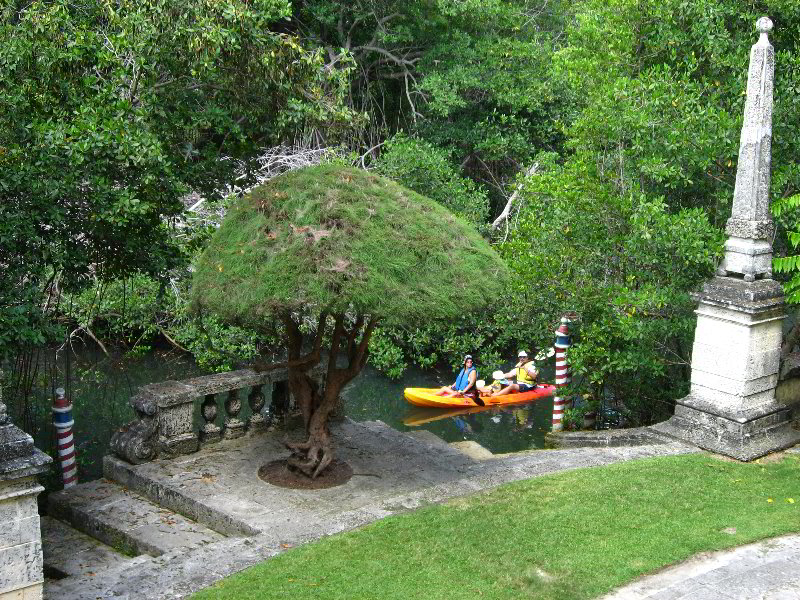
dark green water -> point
(509, 429)
(100, 388)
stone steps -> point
(470, 448)
(126, 521)
(71, 553)
(429, 438)
(232, 521)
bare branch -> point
(503, 216)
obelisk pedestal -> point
(731, 407)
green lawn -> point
(567, 536)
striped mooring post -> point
(62, 420)
(562, 373)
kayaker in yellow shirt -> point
(524, 371)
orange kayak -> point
(428, 397)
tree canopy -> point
(341, 239)
(613, 126)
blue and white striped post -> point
(562, 373)
(62, 421)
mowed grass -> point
(567, 536)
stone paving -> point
(219, 488)
(768, 570)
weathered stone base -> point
(234, 428)
(744, 436)
(177, 445)
(748, 257)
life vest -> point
(462, 381)
(522, 374)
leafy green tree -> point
(333, 246)
(624, 265)
(111, 111)
(425, 168)
(631, 221)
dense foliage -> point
(612, 125)
(110, 112)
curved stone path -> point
(767, 570)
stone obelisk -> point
(731, 407)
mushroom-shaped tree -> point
(343, 249)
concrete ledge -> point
(635, 436)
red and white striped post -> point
(562, 373)
(62, 421)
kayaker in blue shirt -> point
(466, 382)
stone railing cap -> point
(18, 456)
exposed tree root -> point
(309, 458)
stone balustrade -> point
(167, 425)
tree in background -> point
(110, 112)
(626, 216)
(328, 252)
(469, 80)
(631, 220)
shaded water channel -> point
(101, 387)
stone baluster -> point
(21, 574)
(234, 427)
(210, 432)
(165, 425)
(257, 402)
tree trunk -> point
(314, 455)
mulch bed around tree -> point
(278, 473)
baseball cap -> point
(522, 354)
